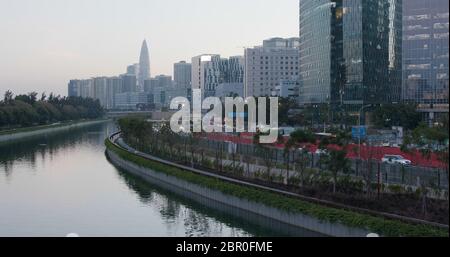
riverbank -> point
(24, 133)
(295, 212)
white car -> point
(396, 159)
(321, 152)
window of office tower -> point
(425, 56)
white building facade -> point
(266, 66)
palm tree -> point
(168, 138)
(301, 162)
(193, 142)
(305, 138)
(264, 152)
(336, 162)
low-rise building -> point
(287, 88)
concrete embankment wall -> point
(39, 132)
(197, 193)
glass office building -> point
(395, 49)
(348, 51)
(317, 40)
(425, 53)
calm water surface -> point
(63, 183)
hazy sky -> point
(45, 43)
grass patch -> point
(385, 227)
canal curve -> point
(63, 183)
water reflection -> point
(39, 148)
(62, 183)
(171, 202)
(177, 211)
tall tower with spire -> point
(144, 65)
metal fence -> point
(380, 172)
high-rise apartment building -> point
(129, 83)
(100, 91)
(81, 88)
(182, 74)
(114, 85)
(74, 88)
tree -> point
(429, 141)
(336, 159)
(193, 142)
(168, 138)
(336, 162)
(285, 105)
(305, 139)
(3, 120)
(69, 112)
(25, 114)
(287, 156)
(301, 163)
(265, 152)
(404, 115)
(26, 110)
(43, 96)
(8, 97)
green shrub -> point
(396, 189)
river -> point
(63, 183)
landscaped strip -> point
(384, 227)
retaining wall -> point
(200, 193)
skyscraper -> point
(395, 49)
(209, 71)
(425, 54)
(198, 73)
(350, 51)
(144, 65)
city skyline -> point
(52, 42)
(226, 121)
